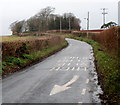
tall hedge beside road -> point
(17, 47)
(106, 46)
(17, 54)
(109, 39)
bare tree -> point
(17, 26)
(43, 15)
(46, 20)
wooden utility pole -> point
(60, 24)
(104, 13)
(88, 21)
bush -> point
(15, 61)
(27, 56)
(30, 45)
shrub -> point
(31, 45)
(27, 56)
(15, 61)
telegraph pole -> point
(104, 13)
(60, 24)
(88, 22)
(69, 24)
(70, 21)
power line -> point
(104, 13)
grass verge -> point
(108, 72)
(12, 64)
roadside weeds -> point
(12, 64)
(108, 72)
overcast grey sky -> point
(12, 10)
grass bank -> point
(12, 64)
(108, 72)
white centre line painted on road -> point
(73, 68)
(83, 91)
(68, 68)
(87, 81)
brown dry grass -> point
(109, 39)
(15, 37)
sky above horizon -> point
(13, 10)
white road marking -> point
(63, 64)
(52, 69)
(77, 64)
(80, 102)
(85, 69)
(87, 81)
(68, 68)
(78, 60)
(71, 60)
(73, 68)
(69, 64)
(57, 89)
(83, 91)
(84, 58)
(57, 68)
(78, 68)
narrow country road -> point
(66, 77)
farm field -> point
(16, 37)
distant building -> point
(119, 13)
